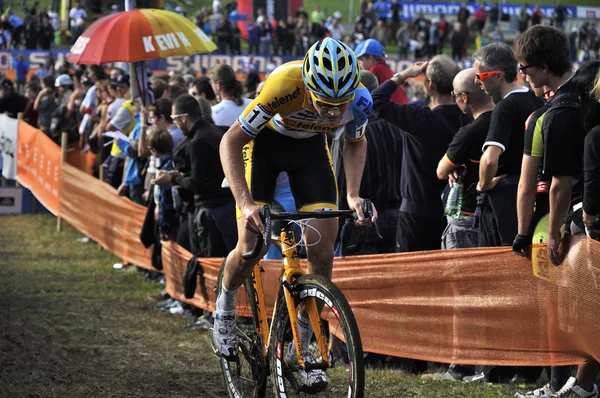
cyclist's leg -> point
(314, 188)
(261, 177)
(320, 246)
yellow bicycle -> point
(335, 342)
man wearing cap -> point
(11, 102)
(64, 87)
(372, 58)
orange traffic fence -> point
(469, 306)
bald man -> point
(463, 156)
(428, 131)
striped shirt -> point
(381, 177)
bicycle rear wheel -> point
(246, 377)
(346, 375)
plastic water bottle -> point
(455, 198)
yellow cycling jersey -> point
(283, 106)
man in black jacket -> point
(213, 227)
(380, 182)
(429, 131)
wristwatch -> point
(401, 77)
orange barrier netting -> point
(96, 209)
(472, 306)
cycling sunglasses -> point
(523, 68)
(484, 75)
(326, 104)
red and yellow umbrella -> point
(139, 35)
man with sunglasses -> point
(211, 217)
(427, 133)
(285, 129)
(500, 165)
(543, 53)
(463, 156)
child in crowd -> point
(160, 144)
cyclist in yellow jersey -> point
(284, 129)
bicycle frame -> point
(290, 270)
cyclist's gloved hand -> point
(521, 243)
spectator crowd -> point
(418, 37)
(467, 158)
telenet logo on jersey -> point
(311, 126)
(278, 101)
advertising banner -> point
(38, 165)
(588, 12)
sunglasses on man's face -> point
(454, 95)
(175, 117)
(523, 68)
(321, 103)
(485, 75)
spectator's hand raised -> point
(144, 115)
(415, 70)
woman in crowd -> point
(45, 103)
(226, 86)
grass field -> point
(72, 326)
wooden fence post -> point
(64, 141)
(101, 171)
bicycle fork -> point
(291, 270)
(263, 324)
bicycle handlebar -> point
(267, 216)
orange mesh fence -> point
(471, 306)
(38, 165)
(95, 209)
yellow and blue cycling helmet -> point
(330, 69)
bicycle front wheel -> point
(246, 377)
(345, 375)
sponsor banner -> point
(412, 10)
(8, 146)
(241, 64)
(11, 200)
(38, 165)
(588, 12)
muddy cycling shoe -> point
(312, 381)
(224, 338)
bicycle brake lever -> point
(367, 208)
(266, 219)
(376, 228)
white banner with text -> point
(9, 129)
